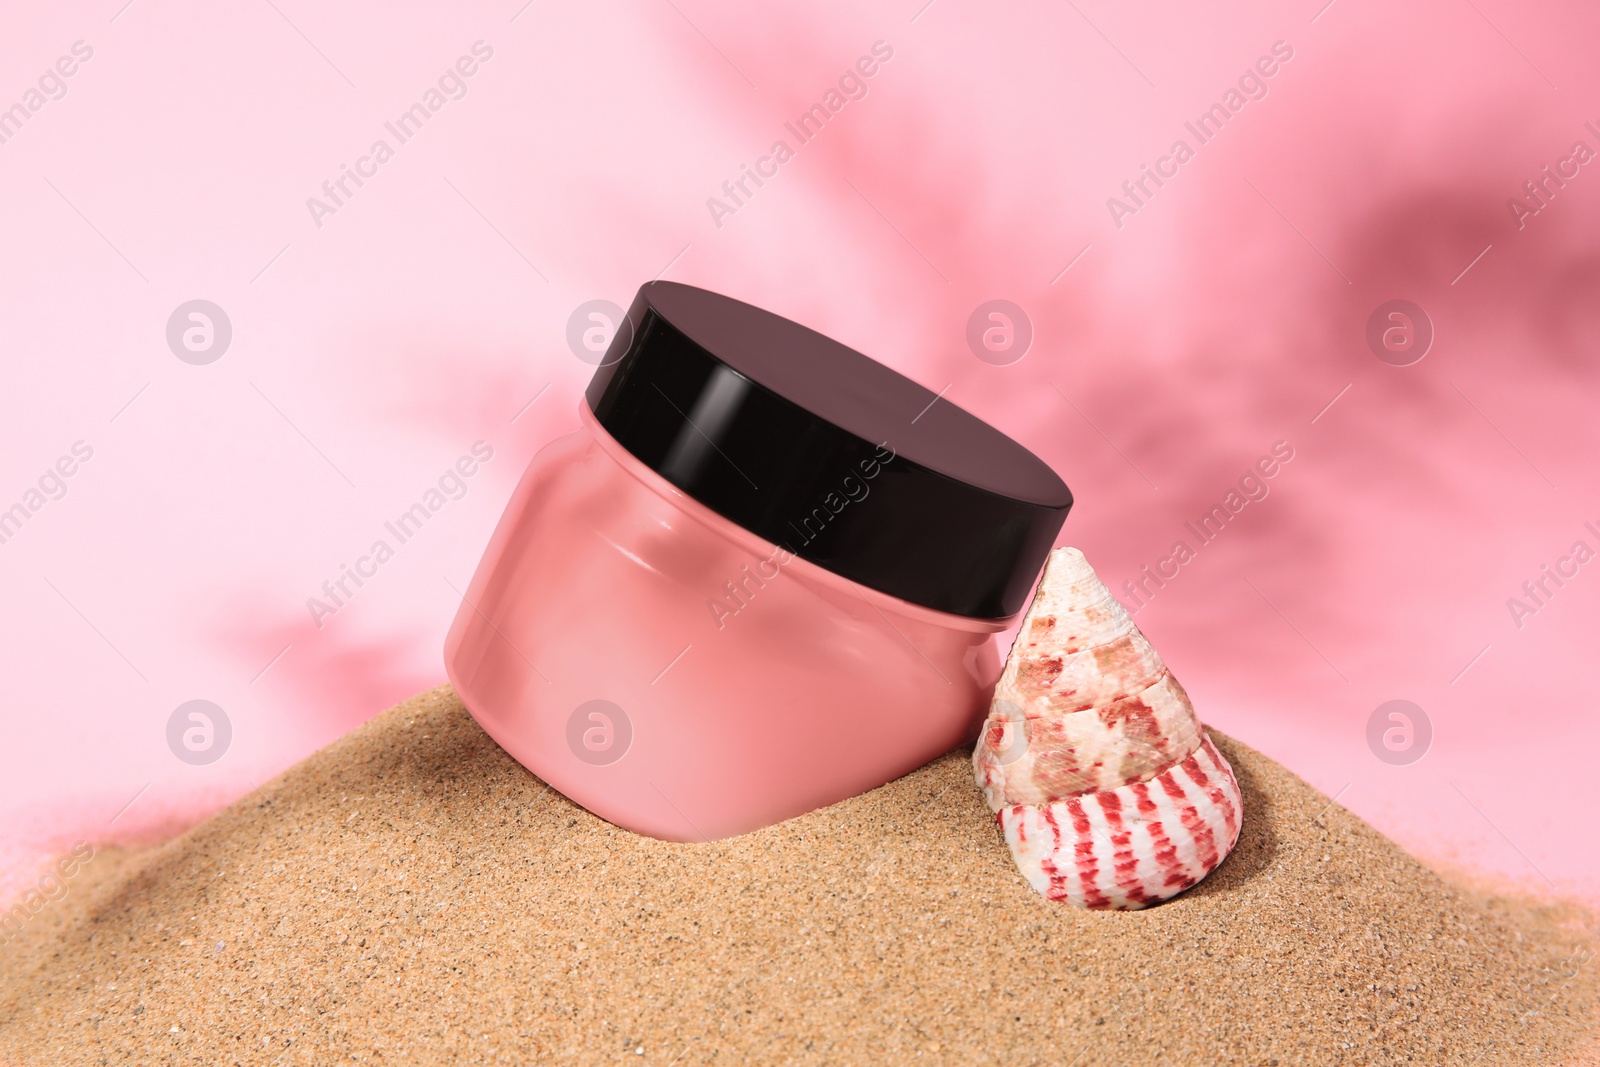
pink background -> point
(368, 353)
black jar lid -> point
(825, 452)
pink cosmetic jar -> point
(764, 576)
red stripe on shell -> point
(1085, 860)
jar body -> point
(683, 678)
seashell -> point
(1101, 776)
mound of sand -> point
(410, 895)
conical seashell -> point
(1093, 759)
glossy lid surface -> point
(828, 453)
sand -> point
(410, 895)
